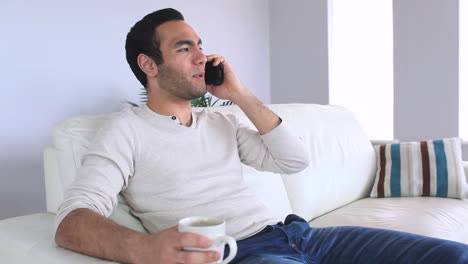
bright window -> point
(361, 62)
(463, 71)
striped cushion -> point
(426, 168)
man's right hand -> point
(166, 246)
(90, 233)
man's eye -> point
(184, 49)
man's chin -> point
(196, 94)
(201, 94)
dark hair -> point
(143, 38)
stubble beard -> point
(176, 83)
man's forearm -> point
(262, 117)
(87, 232)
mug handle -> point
(232, 248)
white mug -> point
(214, 229)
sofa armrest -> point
(29, 239)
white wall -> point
(65, 58)
(426, 69)
(299, 51)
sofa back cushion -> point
(71, 138)
(343, 160)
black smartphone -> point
(214, 75)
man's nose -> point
(201, 58)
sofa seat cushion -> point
(430, 216)
(28, 239)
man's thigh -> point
(369, 245)
(270, 259)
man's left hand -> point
(231, 88)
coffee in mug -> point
(213, 228)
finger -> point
(193, 240)
(196, 257)
(213, 56)
(217, 59)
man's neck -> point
(170, 106)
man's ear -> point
(147, 65)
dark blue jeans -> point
(296, 242)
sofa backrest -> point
(342, 168)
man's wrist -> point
(136, 243)
(239, 97)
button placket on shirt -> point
(175, 119)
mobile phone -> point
(214, 75)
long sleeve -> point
(279, 150)
(105, 171)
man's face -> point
(182, 73)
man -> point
(160, 157)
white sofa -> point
(333, 190)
